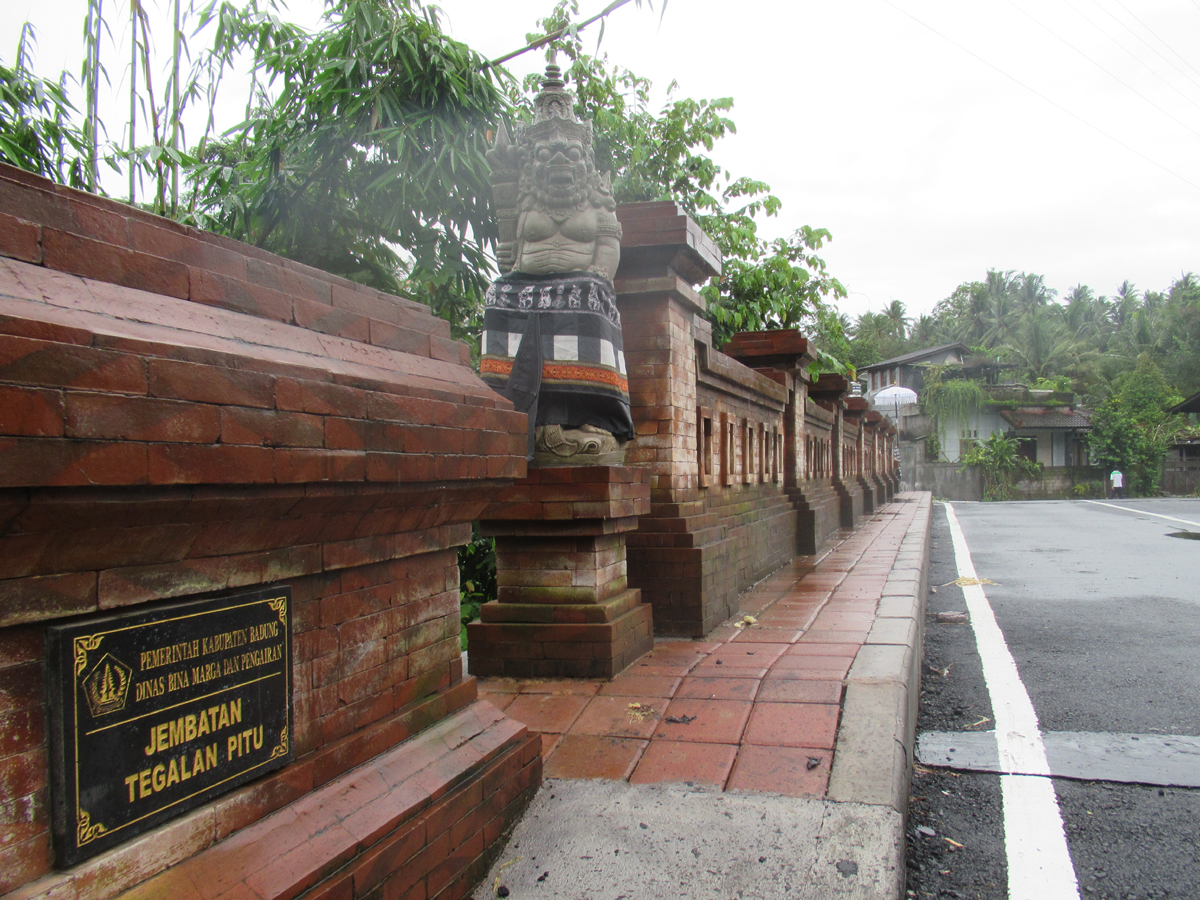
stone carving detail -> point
(552, 340)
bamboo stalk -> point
(177, 41)
(133, 62)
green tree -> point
(1041, 344)
(1000, 462)
(370, 162)
(1131, 430)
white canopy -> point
(895, 396)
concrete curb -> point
(872, 761)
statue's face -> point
(560, 168)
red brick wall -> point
(180, 415)
(717, 524)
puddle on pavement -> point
(1186, 535)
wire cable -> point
(1101, 67)
(1038, 93)
(1135, 57)
(1156, 37)
(1152, 48)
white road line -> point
(1039, 863)
(1142, 512)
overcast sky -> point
(934, 138)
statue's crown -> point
(554, 112)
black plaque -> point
(153, 713)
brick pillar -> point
(831, 390)
(856, 409)
(565, 608)
(663, 255)
(891, 478)
(874, 456)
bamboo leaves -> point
(36, 132)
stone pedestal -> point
(564, 607)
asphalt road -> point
(1100, 610)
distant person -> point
(1118, 484)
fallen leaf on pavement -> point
(641, 711)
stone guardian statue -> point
(552, 335)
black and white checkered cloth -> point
(574, 331)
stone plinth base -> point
(851, 494)
(881, 491)
(696, 558)
(868, 494)
(820, 510)
(565, 608)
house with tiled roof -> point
(1049, 426)
(909, 369)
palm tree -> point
(896, 316)
(998, 289)
(926, 332)
(1043, 346)
(1124, 304)
(1031, 294)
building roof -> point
(916, 356)
(1190, 405)
(1047, 418)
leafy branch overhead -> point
(370, 162)
(36, 129)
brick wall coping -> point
(814, 412)
(725, 372)
(785, 348)
(634, 287)
(103, 384)
(829, 386)
(135, 351)
(660, 234)
(83, 234)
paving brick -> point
(793, 725)
(675, 761)
(547, 712)
(594, 756)
(781, 770)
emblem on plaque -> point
(106, 687)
